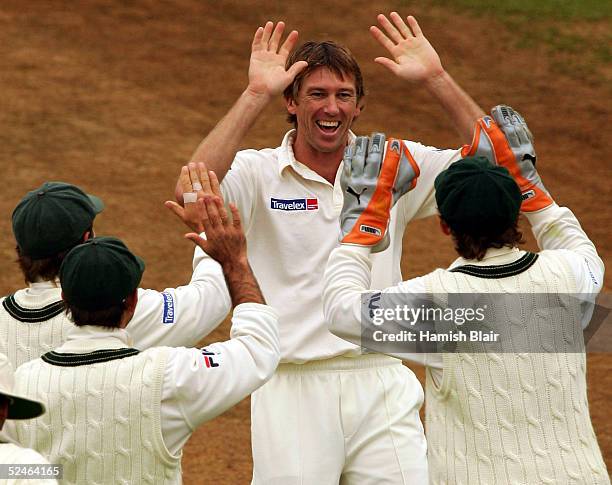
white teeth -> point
(330, 124)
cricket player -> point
(51, 220)
(14, 406)
(120, 415)
(330, 414)
(518, 414)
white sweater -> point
(498, 418)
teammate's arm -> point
(203, 383)
(415, 60)
(267, 79)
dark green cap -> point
(100, 273)
(53, 218)
(477, 197)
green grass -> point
(576, 33)
(557, 9)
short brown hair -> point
(474, 247)
(44, 269)
(107, 317)
(338, 59)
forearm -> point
(347, 276)
(458, 105)
(557, 228)
(219, 147)
(241, 282)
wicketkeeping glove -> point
(505, 140)
(371, 187)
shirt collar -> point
(40, 286)
(89, 338)
(286, 157)
(493, 256)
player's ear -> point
(131, 300)
(444, 227)
(291, 105)
(89, 234)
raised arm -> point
(506, 135)
(267, 79)
(415, 60)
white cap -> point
(20, 407)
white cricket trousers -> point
(347, 421)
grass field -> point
(575, 34)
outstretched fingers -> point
(381, 38)
(214, 183)
(236, 221)
(185, 180)
(212, 220)
(414, 26)
(204, 178)
(256, 45)
(267, 34)
(390, 29)
(289, 43)
(400, 25)
(198, 241)
(276, 36)
(176, 209)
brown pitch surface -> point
(114, 96)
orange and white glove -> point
(504, 138)
(371, 186)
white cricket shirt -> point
(291, 218)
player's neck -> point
(324, 164)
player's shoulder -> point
(12, 453)
(253, 156)
(33, 365)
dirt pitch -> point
(114, 96)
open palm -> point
(414, 59)
(267, 74)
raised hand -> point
(267, 74)
(413, 57)
(371, 186)
(225, 240)
(196, 182)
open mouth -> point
(328, 126)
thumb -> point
(177, 209)
(388, 63)
(296, 68)
(198, 241)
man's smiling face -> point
(325, 109)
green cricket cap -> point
(477, 197)
(100, 273)
(53, 218)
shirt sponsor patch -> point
(169, 308)
(305, 204)
(211, 359)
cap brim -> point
(97, 203)
(23, 408)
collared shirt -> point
(291, 218)
(199, 384)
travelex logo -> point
(305, 204)
(168, 314)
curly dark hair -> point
(470, 246)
